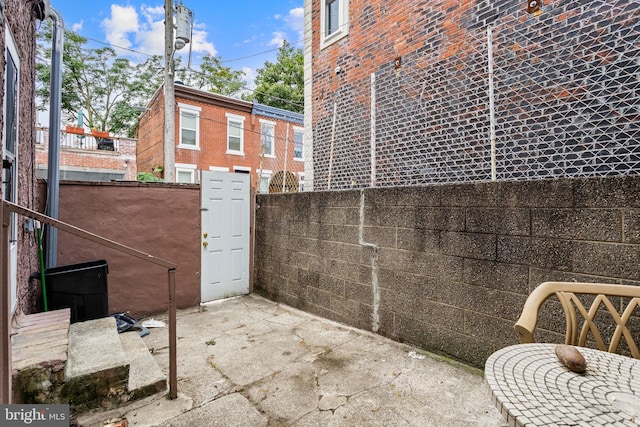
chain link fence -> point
(543, 97)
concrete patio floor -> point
(247, 361)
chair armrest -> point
(526, 324)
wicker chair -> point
(576, 334)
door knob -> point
(205, 244)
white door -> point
(225, 236)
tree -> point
(213, 76)
(281, 84)
(105, 87)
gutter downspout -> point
(55, 106)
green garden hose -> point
(41, 256)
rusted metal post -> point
(173, 364)
(5, 308)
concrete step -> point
(105, 369)
(145, 376)
(97, 371)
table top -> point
(531, 387)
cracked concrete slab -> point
(247, 361)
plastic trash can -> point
(80, 287)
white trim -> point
(218, 169)
(266, 174)
(298, 129)
(193, 110)
(14, 236)
(235, 118)
(186, 167)
(343, 23)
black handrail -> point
(6, 208)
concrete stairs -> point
(86, 364)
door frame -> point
(251, 244)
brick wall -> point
(19, 18)
(564, 91)
(448, 267)
(149, 151)
(120, 163)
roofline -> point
(192, 94)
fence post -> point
(492, 110)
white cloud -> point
(278, 38)
(277, 16)
(295, 20)
(77, 27)
(199, 41)
(150, 39)
(123, 20)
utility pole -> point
(169, 96)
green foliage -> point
(98, 82)
(148, 177)
(213, 76)
(281, 84)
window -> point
(186, 173)
(235, 134)
(300, 182)
(334, 18)
(189, 126)
(267, 139)
(298, 143)
(263, 181)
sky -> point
(245, 33)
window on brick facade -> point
(189, 126)
(235, 134)
(267, 137)
(298, 143)
(334, 21)
(263, 181)
(186, 173)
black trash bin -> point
(80, 287)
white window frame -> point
(218, 168)
(11, 52)
(266, 174)
(297, 129)
(272, 125)
(343, 23)
(195, 110)
(186, 167)
(300, 182)
(236, 118)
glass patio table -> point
(531, 387)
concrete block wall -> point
(446, 267)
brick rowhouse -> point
(212, 152)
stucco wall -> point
(449, 267)
(160, 219)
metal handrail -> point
(6, 208)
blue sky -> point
(249, 29)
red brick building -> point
(215, 132)
(415, 92)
